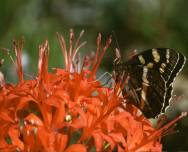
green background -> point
(133, 24)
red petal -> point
(109, 140)
(53, 101)
(98, 141)
(46, 111)
(14, 135)
(59, 116)
(34, 120)
(120, 149)
(118, 138)
(152, 146)
(61, 142)
(4, 115)
(24, 101)
(80, 121)
(135, 135)
(76, 148)
(47, 139)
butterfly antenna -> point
(116, 41)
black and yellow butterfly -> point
(150, 76)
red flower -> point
(69, 110)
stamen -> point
(71, 42)
(63, 49)
(43, 62)
(68, 118)
(18, 46)
(97, 59)
(77, 42)
(160, 131)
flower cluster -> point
(69, 110)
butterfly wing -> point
(149, 96)
(152, 73)
(169, 85)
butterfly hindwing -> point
(169, 85)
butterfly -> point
(150, 76)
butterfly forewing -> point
(152, 73)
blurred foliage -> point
(134, 24)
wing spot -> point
(161, 70)
(141, 59)
(144, 76)
(163, 65)
(167, 55)
(150, 65)
(143, 94)
(156, 55)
